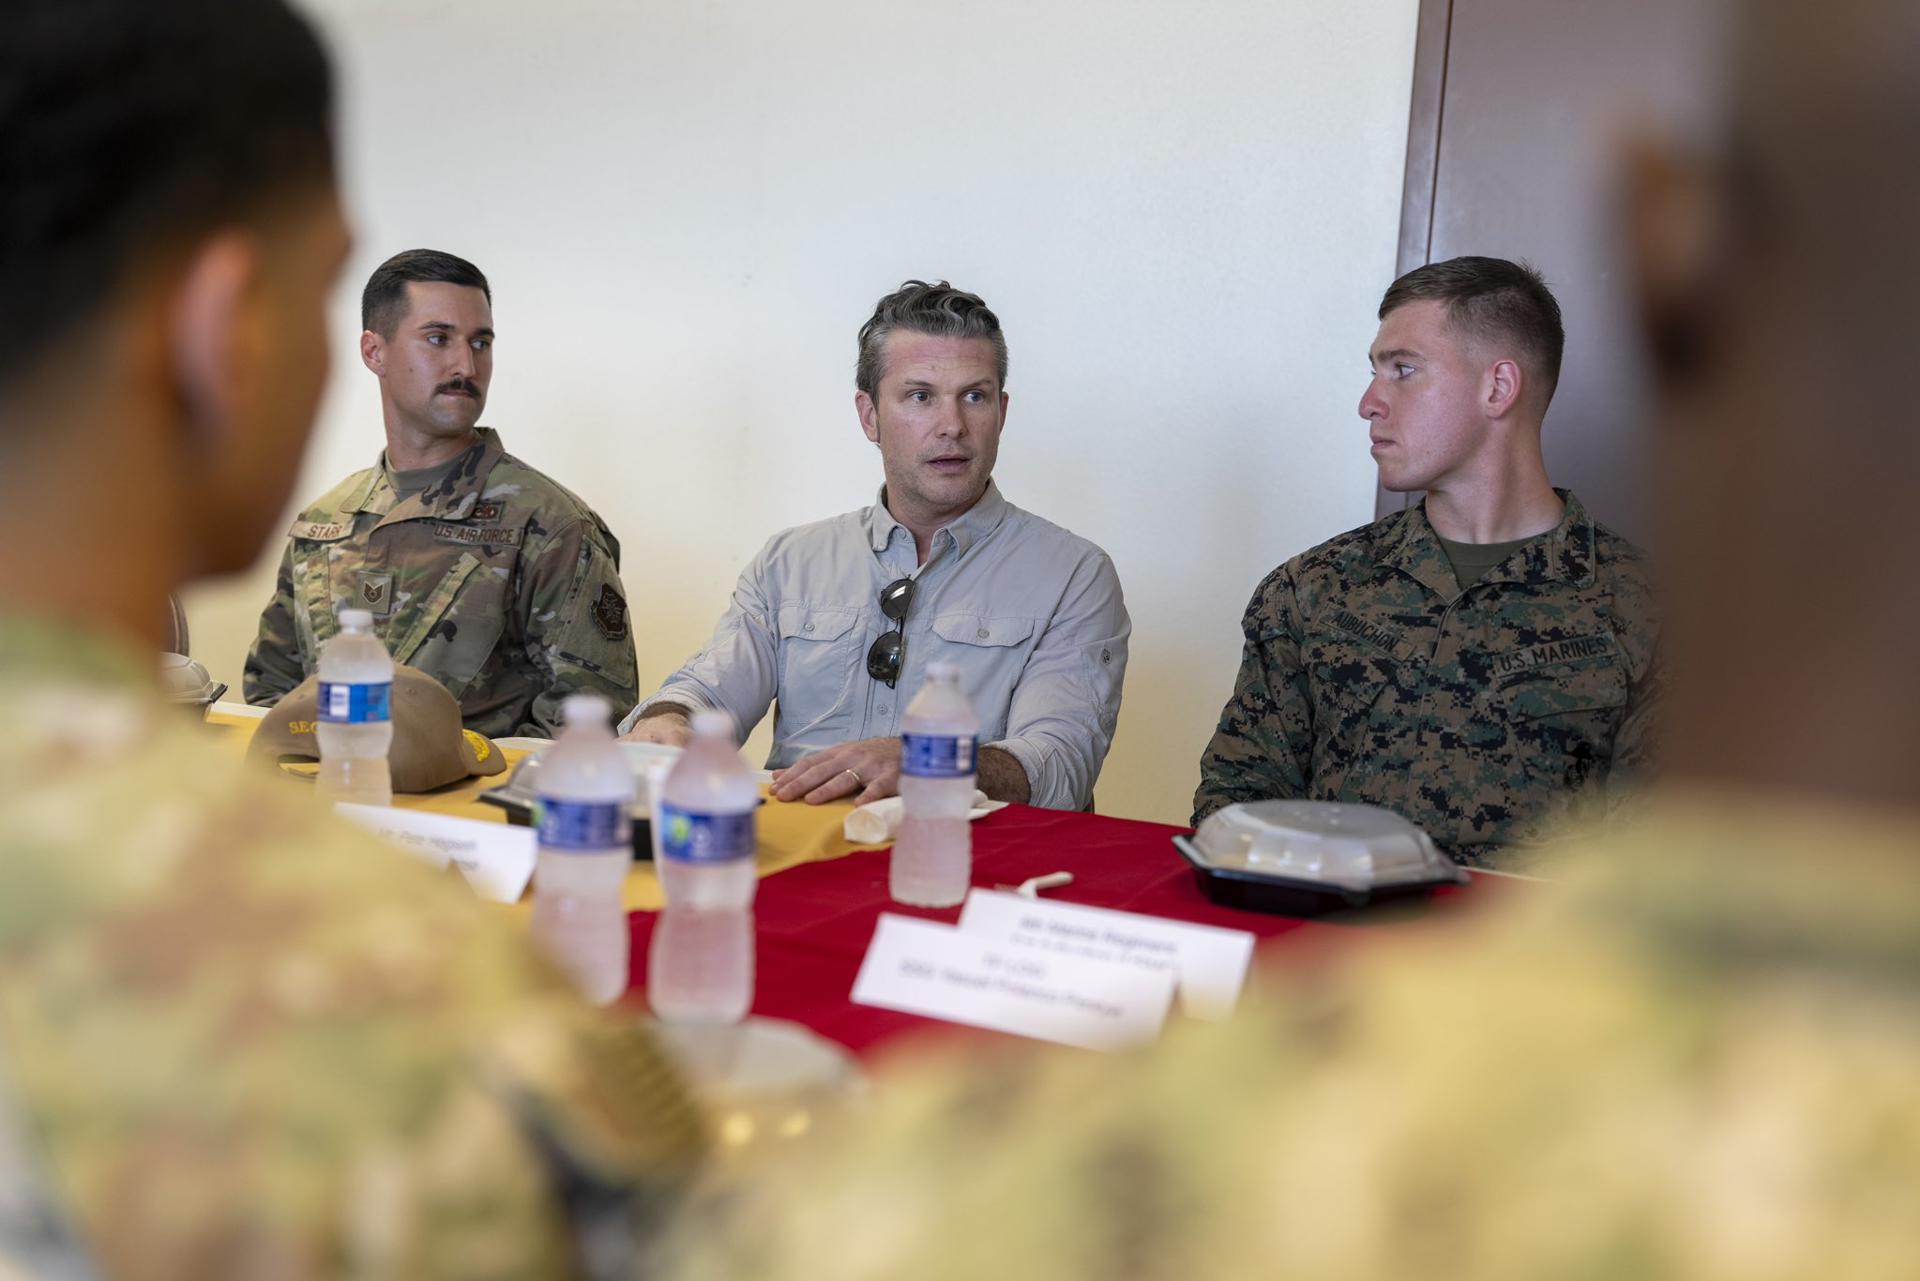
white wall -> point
(1183, 214)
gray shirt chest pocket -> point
(991, 653)
(820, 660)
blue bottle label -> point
(355, 704)
(582, 825)
(689, 837)
(937, 755)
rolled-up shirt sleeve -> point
(1061, 718)
(738, 670)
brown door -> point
(1519, 109)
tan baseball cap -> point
(431, 748)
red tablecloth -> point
(813, 922)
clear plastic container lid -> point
(1356, 847)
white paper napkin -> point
(878, 822)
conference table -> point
(820, 897)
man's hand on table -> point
(865, 770)
(662, 723)
(869, 770)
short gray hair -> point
(921, 308)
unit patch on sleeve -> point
(609, 611)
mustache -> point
(458, 384)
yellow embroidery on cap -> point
(482, 747)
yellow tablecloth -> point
(790, 833)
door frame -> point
(1425, 118)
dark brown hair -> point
(1491, 298)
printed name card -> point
(1208, 963)
(496, 858)
(964, 976)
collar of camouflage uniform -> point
(1563, 554)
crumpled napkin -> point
(878, 822)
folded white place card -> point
(496, 858)
(975, 978)
(1209, 963)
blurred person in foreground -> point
(1698, 1058)
(236, 1039)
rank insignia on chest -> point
(376, 594)
(609, 611)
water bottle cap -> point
(711, 722)
(356, 620)
(586, 709)
(941, 670)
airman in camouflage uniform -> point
(493, 578)
(1369, 676)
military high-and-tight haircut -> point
(384, 301)
(131, 128)
(1491, 298)
(920, 308)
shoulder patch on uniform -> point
(1526, 658)
(321, 531)
(478, 535)
(609, 611)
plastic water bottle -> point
(933, 855)
(355, 725)
(700, 967)
(584, 814)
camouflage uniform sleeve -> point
(578, 631)
(353, 1068)
(1265, 736)
(1637, 616)
(274, 665)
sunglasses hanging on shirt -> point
(884, 658)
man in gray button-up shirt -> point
(1031, 614)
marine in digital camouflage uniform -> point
(253, 1042)
(498, 581)
(1483, 715)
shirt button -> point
(807, 628)
(981, 634)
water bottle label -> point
(705, 838)
(582, 825)
(937, 755)
(354, 704)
